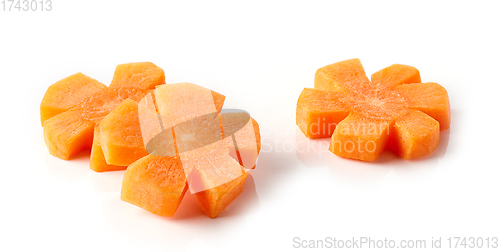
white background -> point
(260, 54)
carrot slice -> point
(430, 98)
(360, 138)
(204, 140)
(120, 133)
(67, 93)
(107, 120)
(97, 159)
(70, 132)
(141, 75)
(174, 102)
(415, 135)
(395, 75)
(156, 184)
(67, 133)
(389, 103)
(340, 76)
(246, 139)
(319, 112)
(214, 200)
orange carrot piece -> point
(394, 102)
(97, 160)
(359, 138)
(67, 93)
(141, 75)
(430, 98)
(395, 75)
(121, 137)
(319, 112)
(156, 184)
(415, 135)
(340, 76)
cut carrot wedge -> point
(213, 147)
(395, 75)
(141, 75)
(156, 184)
(213, 201)
(174, 102)
(71, 107)
(246, 140)
(195, 144)
(415, 135)
(361, 116)
(319, 112)
(340, 76)
(67, 93)
(67, 133)
(97, 160)
(360, 138)
(70, 132)
(430, 98)
(120, 133)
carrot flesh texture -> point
(396, 75)
(67, 133)
(377, 105)
(214, 200)
(210, 166)
(67, 93)
(392, 93)
(120, 133)
(201, 162)
(415, 135)
(360, 138)
(70, 132)
(141, 75)
(215, 177)
(247, 138)
(174, 102)
(340, 76)
(156, 184)
(319, 112)
(218, 100)
(430, 98)
(257, 134)
(97, 160)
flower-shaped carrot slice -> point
(190, 142)
(71, 107)
(393, 110)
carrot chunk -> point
(361, 116)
